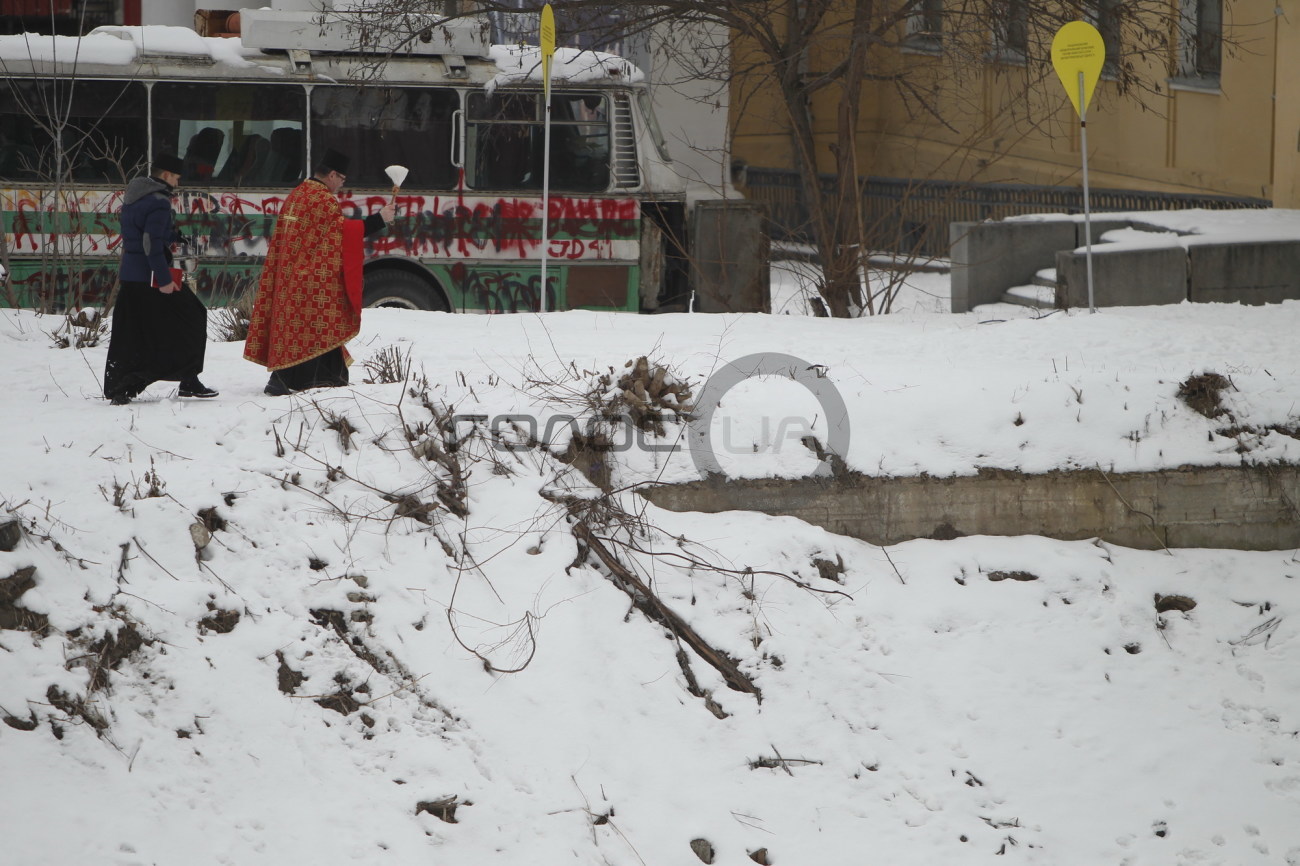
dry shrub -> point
(230, 324)
(1202, 393)
(388, 366)
(646, 393)
(80, 331)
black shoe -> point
(275, 387)
(194, 388)
(119, 400)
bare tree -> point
(60, 133)
(821, 60)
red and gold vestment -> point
(309, 297)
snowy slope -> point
(935, 702)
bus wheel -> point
(390, 287)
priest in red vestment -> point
(309, 298)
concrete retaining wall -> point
(990, 257)
(1247, 508)
(1249, 273)
(1122, 278)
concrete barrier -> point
(1122, 278)
(1247, 508)
(989, 258)
(1265, 272)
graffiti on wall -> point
(58, 244)
(430, 227)
(502, 290)
(57, 289)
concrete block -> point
(1266, 272)
(1122, 278)
(990, 257)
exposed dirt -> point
(1165, 603)
(13, 616)
(27, 724)
(219, 621)
(108, 653)
(286, 678)
(341, 702)
(1012, 575)
(588, 454)
(212, 520)
(828, 570)
(76, 707)
(11, 532)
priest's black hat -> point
(168, 162)
(333, 161)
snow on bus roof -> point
(520, 63)
(125, 46)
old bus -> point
(248, 114)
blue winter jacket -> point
(148, 232)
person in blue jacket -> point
(160, 329)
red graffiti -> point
(597, 210)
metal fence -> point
(912, 216)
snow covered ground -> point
(391, 653)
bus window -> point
(579, 142)
(382, 126)
(503, 150)
(505, 141)
(233, 135)
(93, 124)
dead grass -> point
(230, 324)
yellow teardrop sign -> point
(547, 31)
(1078, 50)
(546, 42)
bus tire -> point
(391, 287)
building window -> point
(925, 26)
(1104, 15)
(1010, 30)
(1201, 51)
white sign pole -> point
(546, 42)
(1087, 207)
(546, 192)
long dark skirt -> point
(326, 371)
(155, 338)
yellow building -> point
(1223, 117)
